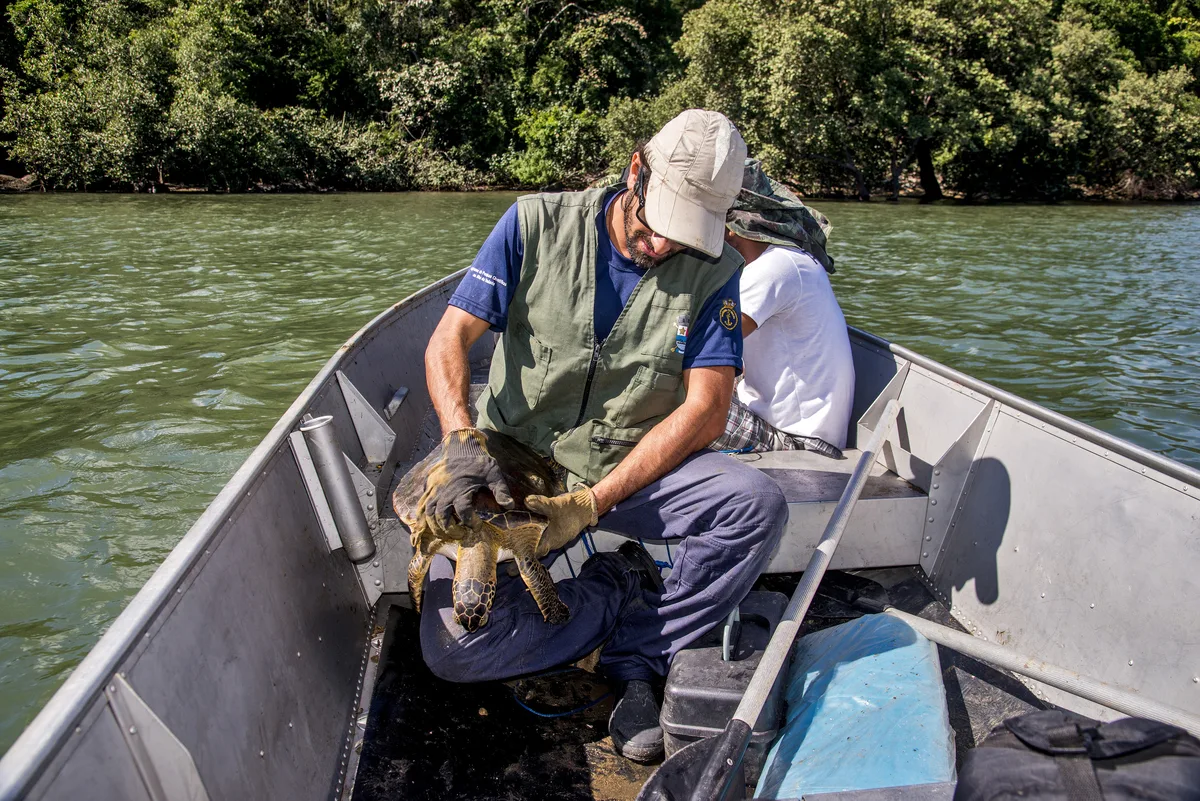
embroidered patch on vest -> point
(681, 331)
(728, 314)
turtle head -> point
(473, 602)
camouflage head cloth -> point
(767, 211)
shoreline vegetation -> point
(963, 100)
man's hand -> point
(569, 513)
(690, 428)
(466, 468)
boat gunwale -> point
(24, 762)
(22, 765)
(1129, 450)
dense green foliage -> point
(986, 98)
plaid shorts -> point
(746, 432)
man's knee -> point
(756, 501)
(443, 650)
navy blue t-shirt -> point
(489, 285)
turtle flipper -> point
(536, 576)
(474, 584)
(417, 569)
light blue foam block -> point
(866, 708)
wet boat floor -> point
(430, 739)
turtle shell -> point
(525, 472)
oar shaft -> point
(780, 646)
(716, 778)
(1107, 695)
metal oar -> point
(707, 769)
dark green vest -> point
(552, 385)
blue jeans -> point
(730, 518)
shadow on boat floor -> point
(431, 739)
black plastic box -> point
(703, 691)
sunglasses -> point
(639, 191)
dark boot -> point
(644, 565)
(633, 726)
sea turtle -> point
(493, 534)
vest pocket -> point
(527, 362)
(608, 446)
(650, 397)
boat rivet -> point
(370, 507)
(377, 582)
(1016, 549)
(935, 486)
(133, 729)
(370, 492)
(927, 539)
(262, 753)
(112, 688)
(930, 520)
(375, 563)
(1131, 663)
(1043, 595)
(1195, 679)
(297, 654)
(79, 730)
(937, 472)
(933, 501)
(319, 639)
(924, 555)
(122, 674)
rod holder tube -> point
(330, 463)
(1115, 698)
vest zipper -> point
(610, 441)
(587, 386)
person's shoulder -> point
(776, 264)
(583, 198)
(795, 257)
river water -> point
(148, 343)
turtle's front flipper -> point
(536, 576)
(417, 569)
(474, 584)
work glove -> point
(466, 468)
(569, 514)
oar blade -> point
(707, 770)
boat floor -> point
(429, 739)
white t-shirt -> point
(798, 373)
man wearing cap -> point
(619, 344)
(798, 387)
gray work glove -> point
(465, 468)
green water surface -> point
(148, 343)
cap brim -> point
(681, 220)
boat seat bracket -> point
(165, 765)
(376, 436)
(949, 483)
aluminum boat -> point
(250, 664)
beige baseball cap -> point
(695, 173)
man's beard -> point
(634, 237)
